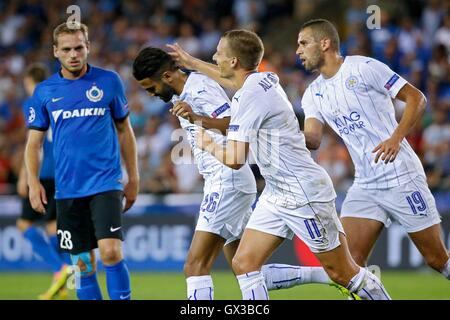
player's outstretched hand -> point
(184, 110)
(38, 197)
(204, 140)
(183, 58)
(130, 191)
(387, 150)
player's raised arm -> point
(184, 59)
(32, 155)
(415, 106)
(129, 154)
(313, 133)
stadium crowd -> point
(414, 41)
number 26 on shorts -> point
(210, 202)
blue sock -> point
(64, 256)
(43, 248)
(118, 281)
(89, 288)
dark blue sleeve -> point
(36, 114)
(119, 104)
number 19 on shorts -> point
(417, 203)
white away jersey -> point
(356, 103)
(207, 98)
(262, 115)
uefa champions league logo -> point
(94, 94)
(31, 115)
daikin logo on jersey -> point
(77, 113)
(349, 123)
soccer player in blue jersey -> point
(45, 247)
(87, 110)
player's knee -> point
(196, 266)
(435, 262)
(110, 255)
(241, 265)
(85, 262)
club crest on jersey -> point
(94, 94)
(31, 115)
(351, 83)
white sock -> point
(446, 270)
(253, 286)
(282, 276)
(200, 288)
(367, 286)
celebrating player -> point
(353, 96)
(228, 194)
(299, 195)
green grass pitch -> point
(171, 286)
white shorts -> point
(412, 205)
(225, 212)
(316, 223)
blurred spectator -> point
(209, 38)
(357, 42)
(380, 37)
(188, 40)
(442, 35)
(334, 158)
(248, 12)
(409, 37)
(5, 166)
(164, 179)
(437, 150)
(437, 139)
(356, 13)
(431, 20)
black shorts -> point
(81, 222)
(29, 214)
